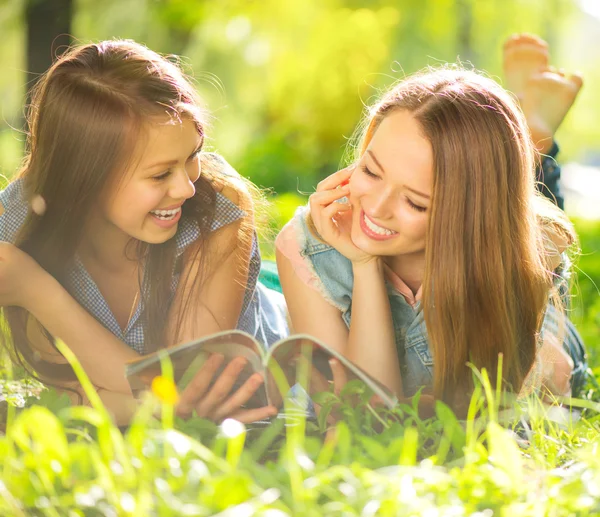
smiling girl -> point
(138, 239)
(440, 254)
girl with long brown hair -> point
(121, 236)
(433, 250)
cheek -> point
(136, 198)
(413, 224)
(359, 186)
(419, 226)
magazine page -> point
(189, 358)
(305, 361)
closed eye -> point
(366, 170)
(418, 208)
(162, 176)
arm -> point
(309, 311)
(214, 304)
(557, 367)
(372, 343)
(101, 353)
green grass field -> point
(63, 460)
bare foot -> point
(524, 55)
(547, 97)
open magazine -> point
(296, 360)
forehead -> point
(403, 151)
(164, 138)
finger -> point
(330, 211)
(336, 178)
(247, 416)
(198, 385)
(327, 197)
(325, 219)
(318, 382)
(240, 397)
(376, 401)
(221, 388)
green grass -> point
(63, 460)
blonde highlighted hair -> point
(487, 273)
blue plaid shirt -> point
(263, 310)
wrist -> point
(368, 264)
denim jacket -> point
(334, 277)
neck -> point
(108, 248)
(410, 268)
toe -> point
(576, 79)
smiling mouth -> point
(376, 229)
(166, 215)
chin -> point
(158, 239)
(363, 243)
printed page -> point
(305, 361)
(188, 360)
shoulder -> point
(309, 241)
(213, 163)
(317, 263)
(225, 179)
(13, 210)
(232, 204)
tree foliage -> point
(286, 82)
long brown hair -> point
(86, 115)
(486, 283)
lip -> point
(371, 234)
(171, 222)
(172, 207)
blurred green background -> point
(286, 82)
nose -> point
(382, 203)
(182, 186)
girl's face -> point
(390, 190)
(146, 203)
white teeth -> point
(166, 214)
(377, 229)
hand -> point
(18, 272)
(217, 403)
(318, 384)
(332, 219)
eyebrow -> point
(422, 194)
(168, 163)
